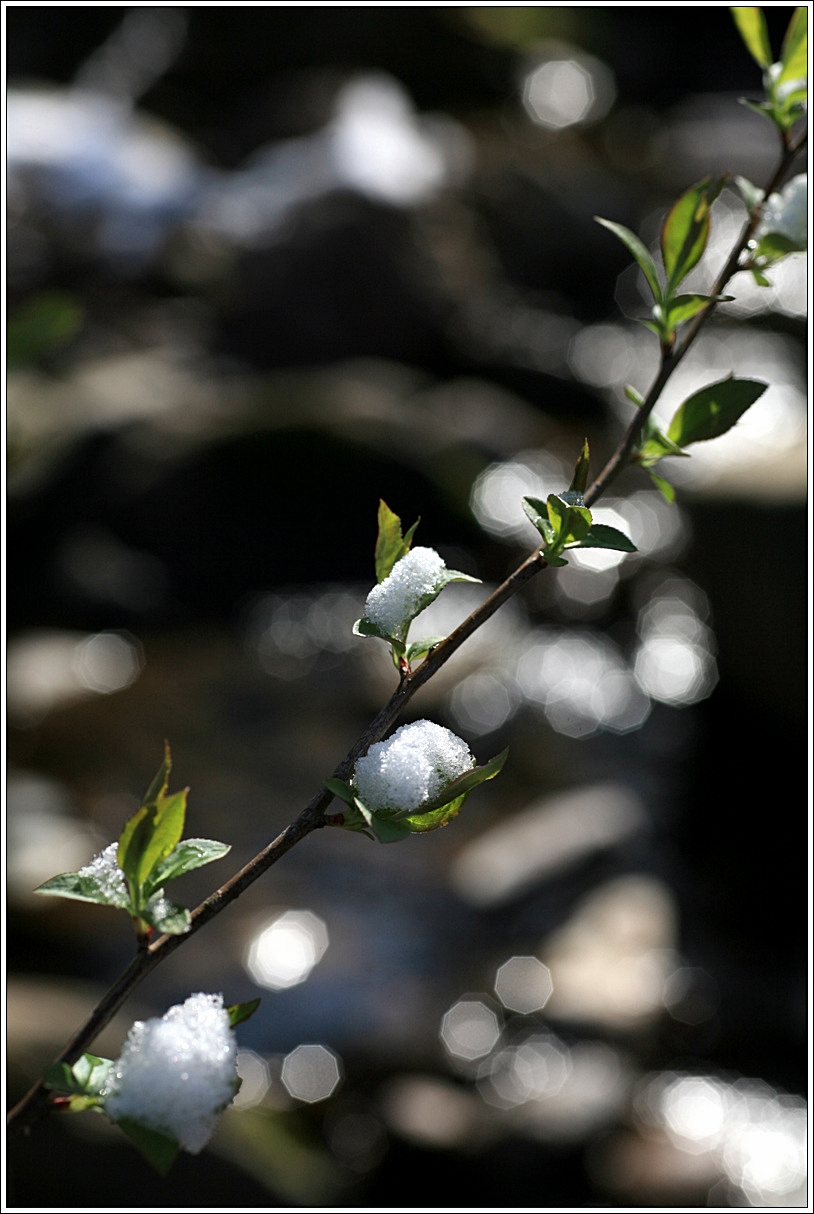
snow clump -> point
(411, 767)
(392, 604)
(177, 1073)
(104, 869)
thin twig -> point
(35, 1103)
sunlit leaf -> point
(633, 395)
(463, 785)
(685, 231)
(603, 536)
(751, 194)
(571, 522)
(579, 480)
(83, 889)
(632, 243)
(238, 1012)
(391, 546)
(418, 649)
(794, 52)
(537, 511)
(419, 824)
(713, 410)
(774, 246)
(684, 307)
(186, 856)
(664, 487)
(165, 916)
(752, 28)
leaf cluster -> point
(706, 414)
(391, 546)
(565, 522)
(391, 826)
(84, 1086)
(785, 81)
(150, 853)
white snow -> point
(411, 767)
(104, 869)
(177, 1073)
(393, 603)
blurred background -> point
(266, 265)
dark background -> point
(310, 370)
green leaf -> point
(390, 545)
(571, 523)
(664, 487)
(603, 536)
(759, 277)
(537, 511)
(83, 889)
(387, 830)
(794, 52)
(656, 447)
(340, 789)
(238, 1012)
(714, 410)
(86, 1077)
(418, 649)
(685, 231)
(436, 818)
(158, 1149)
(59, 1077)
(632, 243)
(774, 246)
(751, 194)
(165, 916)
(460, 787)
(579, 480)
(752, 28)
(187, 855)
(149, 837)
(633, 395)
(684, 307)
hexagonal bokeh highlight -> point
(523, 984)
(284, 951)
(311, 1073)
(470, 1029)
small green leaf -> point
(462, 786)
(537, 511)
(632, 243)
(794, 52)
(579, 480)
(418, 649)
(686, 230)
(387, 830)
(187, 855)
(752, 28)
(158, 1149)
(436, 818)
(340, 789)
(664, 487)
(713, 410)
(59, 1077)
(165, 916)
(83, 889)
(751, 195)
(390, 545)
(759, 277)
(774, 246)
(684, 307)
(238, 1012)
(570, 522)
(656, 447)
(41, 326)
(603, 536)
(634, 396)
